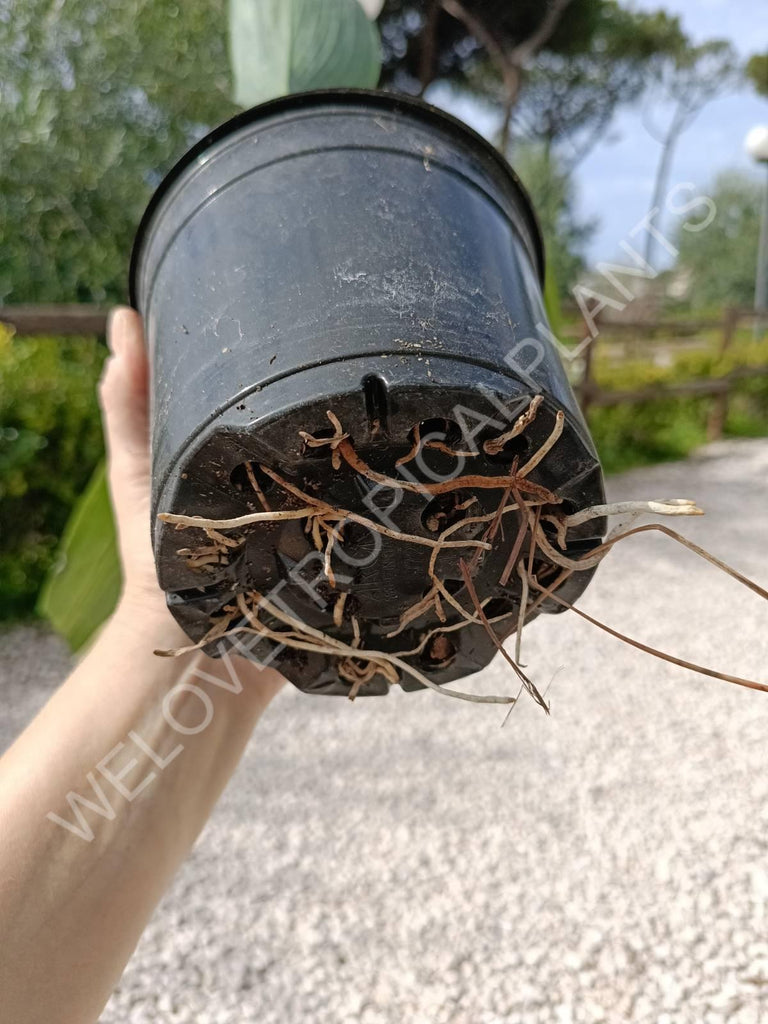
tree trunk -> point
(427, 56)
(663, 169)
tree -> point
(693, 77)
(721, 259)
(551, 189)
(757, 72)
(556, 71)
(98, 100)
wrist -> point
(144, 614)
(143, 621)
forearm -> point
(150, 743)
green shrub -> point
(50, 442)
(641, 433)
(50, 435)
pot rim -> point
(391, 101)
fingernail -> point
(114, 333)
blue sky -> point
(614, 183)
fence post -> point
(585, 389)
(718, 409)
(730, 322)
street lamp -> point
(756, 144)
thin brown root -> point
(443, 487)
(560, 529)
(545, 448)
(202, 562)
(494, 445)
(440, 446)
(521, 613)
(456, 453)
(255, 485)
(294, 490)
(332, 646)
(471, 620)
(514, 554)
(232, 524)
(592, 558)
(659, 527)
(493, 528)
(226, 542)
(333, 442)
(333, 536)
(317, 537)
(415, 610)
(338, 609)
(414, 448)
(700, 669)
(217, 630)
(527, 683)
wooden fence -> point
(673, 333)
(73, 319)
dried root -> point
(325, 523)
(496, 445)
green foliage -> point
(552, 192)
(721, 259)
(757, 72)
(166, 86)
(642, 433)
(285, 46)
(570, 94)
(84, 584)
(50, 440)
(98, 100)
(600, 28)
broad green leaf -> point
(283, 46)
(84, 585)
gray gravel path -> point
(403, 859)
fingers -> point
(123, 390)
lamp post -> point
(756, 144)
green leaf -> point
(283, 46)
(83, 587)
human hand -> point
(125, 726)
(124, 399)
(123, 394)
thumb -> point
(123, 393)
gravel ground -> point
(403, 859)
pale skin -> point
(73, 909)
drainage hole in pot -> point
(375, 394)
(358, 545)
(439, 653)
(447, 509)
(199, 594)
(498, 606)
(516, 447)
(250, 478)
(451, 585)
(322, 451)
(438, 430)
(564, 508)
(350, 608)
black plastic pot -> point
(364, 253)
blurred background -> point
(404, 859)
(604, 108)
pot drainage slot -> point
(375, 394)
(250, 478)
